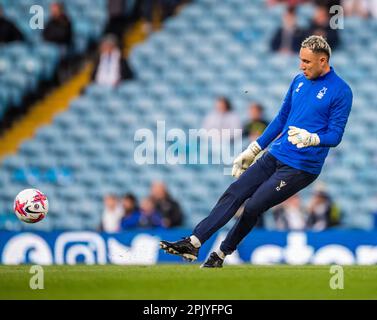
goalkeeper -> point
(311, 120)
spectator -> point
(327, 3)
(110, 67)
(168, 207)
(323, 213)
(58, 29)
(290, 215)
(291, 3)
(371, 8)
(112, 214)
(131, 213)
(165, 7)
(289, 36)
(117, 18)
(149, 215)
(8, 30)
(256, 123)
(223, 117)
(361, 8)
(320, 25)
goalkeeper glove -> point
(302, 138)
(245, 159)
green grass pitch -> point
(188, 281)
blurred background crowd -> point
(73, 93)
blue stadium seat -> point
(210, 49)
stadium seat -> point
(24, 65)
(209, 49)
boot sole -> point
(209, 267)
(186, 256)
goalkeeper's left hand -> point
(301, 138)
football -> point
(31, 205)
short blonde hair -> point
(317, 44)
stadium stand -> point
(26, 64)
(211, 48)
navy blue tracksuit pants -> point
(265, 184)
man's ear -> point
(323, 59)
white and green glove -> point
(245, 159)
(302, 138)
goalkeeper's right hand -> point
(245, 159)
